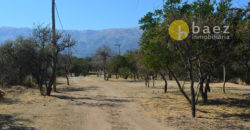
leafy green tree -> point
(153, 44)
(124, 72)
(25, 57)
(17, 60)
(115, 63)
(195, 60)
(131, 63)
(80, 66)
(7, 75)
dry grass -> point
(223, 111)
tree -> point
(242, 50)
(17, 61)
(7, 63)
(47, 54)
(63, 66)
(115, 63)
(42, 37)
(195, 60)
(101, 58)
(80, 66)
(25, 56)
(131, 63)
(153, 46)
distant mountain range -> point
(87, 40)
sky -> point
(80, 14)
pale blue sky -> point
(80, 14)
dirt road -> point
(87, 104)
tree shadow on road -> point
(8, 101)
(242, 103)
(65, 97)
(99, 104)
(73, 89)
(230, 102)
(8, 122)
(97, 101)
(241, 116)
(117, 100)
(69, 97)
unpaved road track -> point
(87, 104)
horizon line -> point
(73, 29)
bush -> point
(239, 81)
(124, 72)
(80, 66)
(29, 82)
(2, 93)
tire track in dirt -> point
(87, 104)
(124, 112)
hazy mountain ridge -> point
(88, 40)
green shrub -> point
(124, 72)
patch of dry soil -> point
(87, 104)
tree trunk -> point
(53, 78)
(41, 89)
(207, 89)
(201, 81)
(170, 76)
(224, 78)
(166, 82)
(104, 67)
(202, 90)
(109, 76)
(153, 77)
(49, 89)
(179, 85)
(148, 81)
(193, 103)
(67, 74)
(104, 75)
(248, 75)
(116, 75)
(193, 98)
(67, 77)
(54, 83)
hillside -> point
(87, 40)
